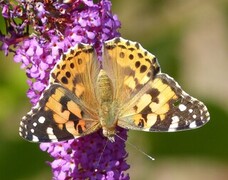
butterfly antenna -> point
(99, 160)
(135, 147)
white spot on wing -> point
(34, 124)
(194, 116)
(51, 135)
(193, 125)
(32, 130)
(30, 113)
(174, 125)
(49, 130)
(41, 119)
(182, 107)
(175, 119)
(35, 138)
(190, 110)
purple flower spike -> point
(92, 156)
(56, 26)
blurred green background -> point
(190, 39)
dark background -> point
(190, 40)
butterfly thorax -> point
(107, 109)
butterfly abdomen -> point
(104, 89)
(107, 109)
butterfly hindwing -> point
(164, 107)
(58, 116)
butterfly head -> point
(109, 133)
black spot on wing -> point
(80, 131)
(128, 43)
(110, 47)
(137, 45)
(146, 110)
(74, 118)
(64, 57)
(121, 55)
(161, 125)
(131, 49)
(143, 68)
(72, 65)
(117, 40)
(140, 55)
(137, 64)
(68, 74)
(72, 52)
(154, 93)
(64, 80)
(63, 67)
(135, 108)
(63, 101)
(141, 123)
(131, 56)
(122, 46)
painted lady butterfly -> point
(128, 91)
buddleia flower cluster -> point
(37, 33)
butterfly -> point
(127, 90)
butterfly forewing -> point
(77, 71)
(129, 66)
